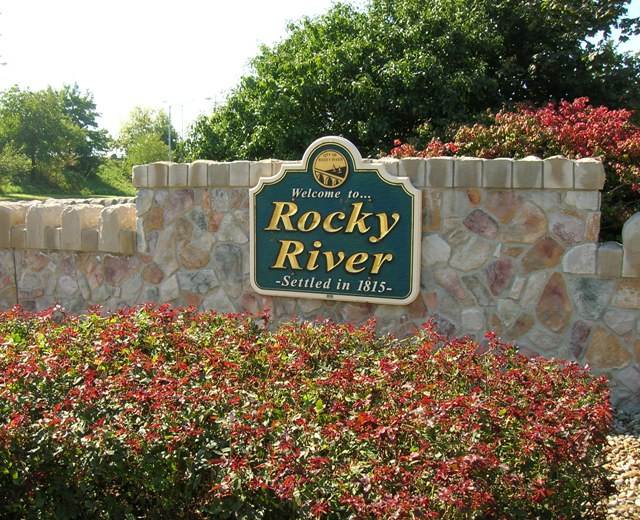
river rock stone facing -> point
(507, 245)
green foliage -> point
(142, 123)
(110, 180)
(160, 413)
(397, 67)
(81, 109)
(145, 149)
(13, 165)
(56, 130)
(143, 139)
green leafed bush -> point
(157, 412)
(13, 164)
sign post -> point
(332, 227)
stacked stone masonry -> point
(509, 246)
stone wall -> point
(508, 245)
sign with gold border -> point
(333, 227)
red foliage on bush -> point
(172, 414)
(575, 130)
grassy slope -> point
(110, 181)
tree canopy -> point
(408, 69)
(144, 137)
(143, 123)
(54, 129)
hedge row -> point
(157, 412)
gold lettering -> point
(378, 260)
(357, 220)
(355, 260)
(331, 263)
(302, 222)
(312, 264)
(286, 253)
(384, 226)
(279, 214)
(328, 224)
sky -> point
(181, 55)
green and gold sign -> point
(333, 227)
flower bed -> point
(169, 413)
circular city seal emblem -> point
(330, 169)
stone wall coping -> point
(556, 172)
(92, 225)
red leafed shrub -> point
(165, 413)
(575, 130)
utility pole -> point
(169, 134)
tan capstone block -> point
(89, 240)
(127, 239)
(113, 219)
(140, 176)
(52, 238)
(415, 168)
(589, 174)
(467, 172)
(198, 174)
(157, 174)
(19, 237)
(178, 175)
(631, 247)
(74, 220)
(610, 260)
(558, 173)
(498, 173)
(390, 165)
(527, 173)
(439, 172)
(239, 173)
(260, 169)
(218, 174)
(11, 214)
(39, 217)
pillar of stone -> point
(631, 247)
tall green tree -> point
(81, 109)
(147, 125)
(407, 68)
(55, 129)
